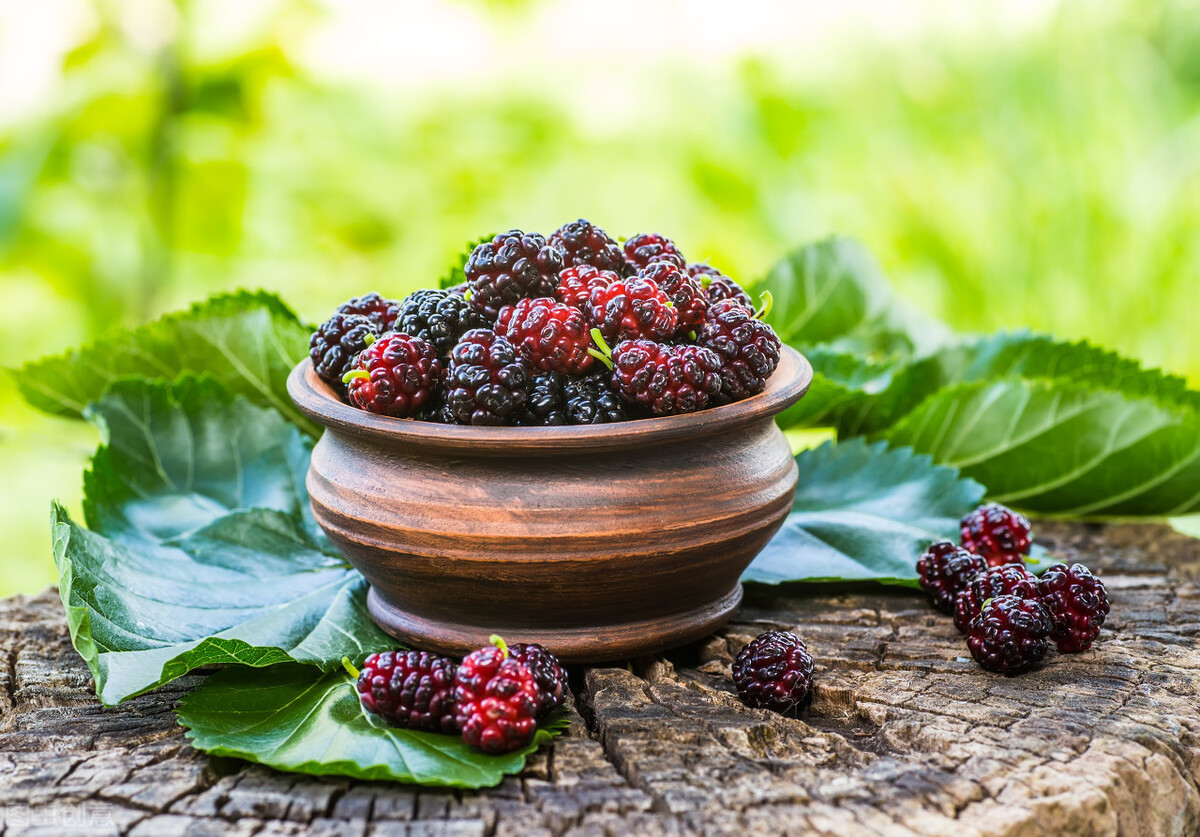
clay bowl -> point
(599, 542)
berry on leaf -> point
(548, 674)
(774, 671)
(409, 689)
(497, 699)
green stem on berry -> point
(601, 357)
(369, 339)
(605, 353)
(498, 641)
(766, 300)
(355, 373)
(349, 666)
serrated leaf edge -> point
(547, 730)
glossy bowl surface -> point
(600, 542)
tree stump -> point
(905, 733)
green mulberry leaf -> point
(295, 718)
(1008, 355)
(1064, 449)
(864, 512)
(456, 275)
(203, 549)
(249, 342)
(834, 293)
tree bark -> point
(905, 733)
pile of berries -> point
(493, 698)
(573, 329)
(1008, 614)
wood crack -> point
(905, 734)
(8, 706)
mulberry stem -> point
(498, 641)
(605, 353)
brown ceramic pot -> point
(599, 542)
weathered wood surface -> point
(905, 734)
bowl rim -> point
(316, 399)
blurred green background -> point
(1020, 164)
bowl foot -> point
(571, 645)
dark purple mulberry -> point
(548, 674)
(644, 248)
(486, 384)
(1009, 634)
(590, 400)
(999, 534)
(717, 286)
(748, 348)
(381, 311)
(682, 289)
(774, 671)
(511, 267)
(1005, 580)
(335, 346)
(583, 243)
(1077, 602)
(944, 570)
(544, 403)
(438, 317)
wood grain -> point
(905, 735)
(604, 542)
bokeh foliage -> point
(1050, 181)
